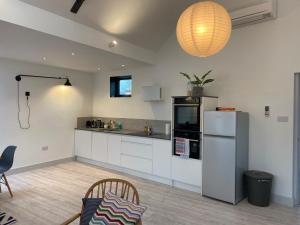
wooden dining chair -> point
(119, 187)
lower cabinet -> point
(162, 152)
(136, 153)
(136, 163)
(187, 171)
(146, 155)
(99, 147)
(83, 144)
(114, 149)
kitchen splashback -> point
(158, 126)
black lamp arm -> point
(19, 77)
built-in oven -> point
(186, 113)
(194, 142)
(187, 124)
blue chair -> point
(6, 162)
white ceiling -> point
(145, 23)
(28, 45)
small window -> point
(120, 86)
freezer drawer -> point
(219, 160)
(220, 123)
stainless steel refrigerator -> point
(225, 155)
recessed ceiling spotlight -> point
(73, 53)
(44, 58)
(112, 44)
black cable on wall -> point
(27, 126)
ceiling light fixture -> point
(204, 29)
(112, 44)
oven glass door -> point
(187, 117)
(195, 143)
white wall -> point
(254, 70)
(54, 110)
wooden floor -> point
(53, 194)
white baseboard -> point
(286, 201)
(282, 200)
(158, 179)
(125, 170)
(187, 187)
(39, 165)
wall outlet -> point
(45, 148)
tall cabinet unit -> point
(187, 123)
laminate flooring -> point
(53, 194)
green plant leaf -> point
(197, 79)
(207, 81)
(186, 75)
(205, 75)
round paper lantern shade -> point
(204, 28)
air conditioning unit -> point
(254, 14)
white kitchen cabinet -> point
(138, 148)
(114, 149)
(100, 147)
(136, 163)
(162, 155)
(83, 144)
(187, 171)
(137, 153)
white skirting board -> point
(275, 198)
(125, 170)
(282, 200)
(40, 165)
(287, 201)
(142, 175)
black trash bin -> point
(259, 186)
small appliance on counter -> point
(94, 124)
(225, 155)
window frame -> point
(114, 82)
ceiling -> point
(21, 43)
(145, 23)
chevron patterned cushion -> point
(6, 219)
(114, 210)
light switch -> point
(267, 111)
(283, 119)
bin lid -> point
(255, 174)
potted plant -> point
(198, 83)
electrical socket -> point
(45, 148)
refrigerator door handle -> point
(215, 135)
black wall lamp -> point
(67, 83)
(27, 95)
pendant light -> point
(204, 29)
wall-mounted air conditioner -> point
(254, 14)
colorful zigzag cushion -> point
(114, 210)
(6, 219)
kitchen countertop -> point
(128, 132)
